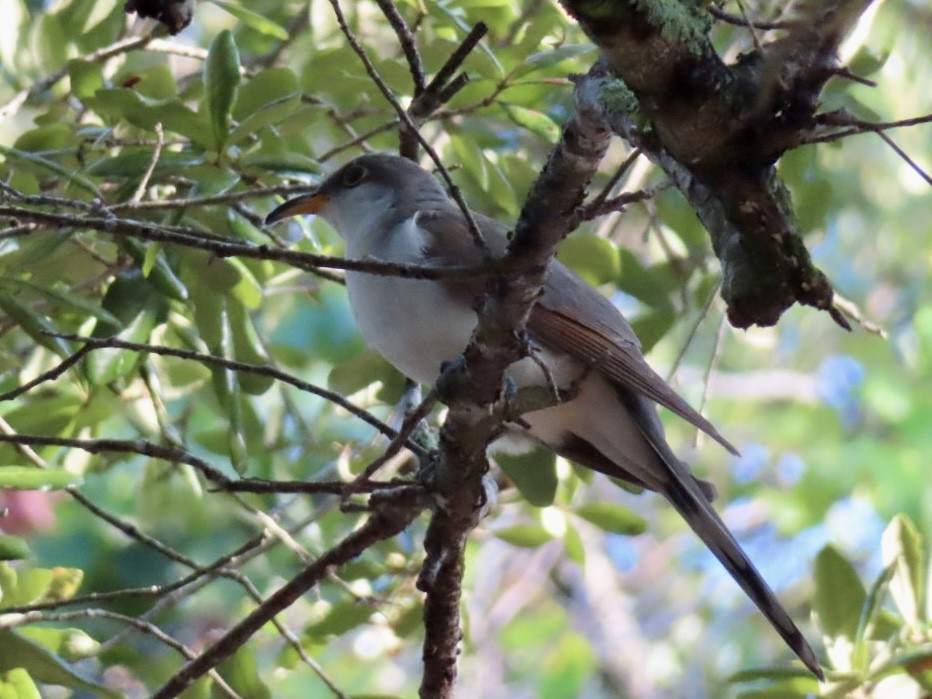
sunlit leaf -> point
(595, 259)
(534, 121)
(253, 20)
(241, 673)
(221, 83)
(13, 548)
(612, 518)
(902, 547)
(25, 478)
(42, 665)
(17, 684)
(533, 473)
(839, 595)
(524, 535)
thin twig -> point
(156, 154)
(703, 314)
(743, 21)
(393, 512)
(49, 375)
(406, 39)
(365, 136)
(222, 247)
(707, 374)
(750, 25)
(851, 309)
(409, 123)
(171, 454)
(40, 86)
(245, 367)
(225, 198)
(600, 198)
(905, 156)
(856, 126)
(13, 620)
(408, 426)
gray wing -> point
(577, 319)
(570, 316)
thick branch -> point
(473, 387)
(393, 511)
(717, 130)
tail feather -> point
(680, 488)
(703, 520)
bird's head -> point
(369, 188)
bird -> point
(388, 208)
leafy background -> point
(588, 591)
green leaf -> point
(13, 548)
(70, 644)
(65, 297)
(652, 326)
(839, 594)
(45, 164)
(551, 57)
(469, 154)
(241, 673)
(534, 121)
(17, 684)
(270, 114)
(100, 10)
(644, 283)
(156, 268)
(145, 112)
(612, 517)
(139, 309)
(777, 683)
(593, 258)
(49, 42)
(37, 326)
(533, 473)
(680, 217)
(253, 20)
(26, 478)
(281, 163)
(775, 672)
(357, 372)
(17, 651)
(133, 163)
(264, 88)
(868, 61)
(902, 547)
(524, 535)
(340, 618)
(46, 138)
(249, 348)
(86, 77)
(870, 618)
(574, 546)
(221, 84)
(226, 382)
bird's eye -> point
(354, 175)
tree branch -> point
(473, 387)
(716, 130)
(393, 511)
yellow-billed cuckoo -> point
(387, 208)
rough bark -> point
(717, 130)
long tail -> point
(685, 495)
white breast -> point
(415, 324)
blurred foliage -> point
(570, 593)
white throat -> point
(360, 216)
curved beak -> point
(307, 204)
